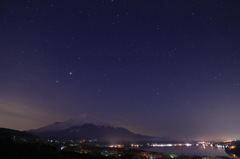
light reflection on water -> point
(192, 150)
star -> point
(70, 73)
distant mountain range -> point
(88, 127)
(77, 121)
(82, 127)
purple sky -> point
(162, 68)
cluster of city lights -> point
(116, 146)
(169, 145)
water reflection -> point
(192, 151)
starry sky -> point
(166, 68)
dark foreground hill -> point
(20, 150)
(27, 149)
(10, 133)
(16, 150)
(234, 149)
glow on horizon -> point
(21, 117)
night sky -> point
(166, 68)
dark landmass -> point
(14, 150)
(10, 133)
(22, 145)
(234, 149)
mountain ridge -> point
(77, 121)
(87, 127)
